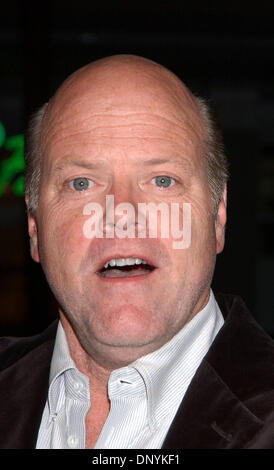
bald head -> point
(122, 74)
(120, 84)
(116, 85)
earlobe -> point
(32, 228)
(221, 223)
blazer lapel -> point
(230, 399)
(211, 416)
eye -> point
(163, 181)
(81, 184)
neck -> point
(100, 360)
(83, 361)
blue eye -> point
(80, 184)
(163, 181)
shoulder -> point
(14, 349)
(243, 355)
(241, 333)
(24, 374)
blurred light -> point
(11, 168)
(2, 134)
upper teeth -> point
(124, 262)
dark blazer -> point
(228, 405)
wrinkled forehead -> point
(121, 89)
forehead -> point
(124, 103)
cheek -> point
(198, 258)
(61, 241)
(203, 241)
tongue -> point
(138, 271)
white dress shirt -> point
(144, 395)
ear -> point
(220, 223)
(33, 234)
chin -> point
(126, 341)
(133, 337)
(133, 324)
(117, 352)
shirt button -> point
(73, 442)
(78, 386)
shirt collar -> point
(64, 375)
(61, 358)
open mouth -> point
(125, 267)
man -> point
(144, 356)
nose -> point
(124, 191)
(121, 211)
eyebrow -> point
(80, 163)
(185, 165)
(158, 161)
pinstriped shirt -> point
(144, 395)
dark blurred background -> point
(223, 51)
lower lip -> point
(139, 277)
